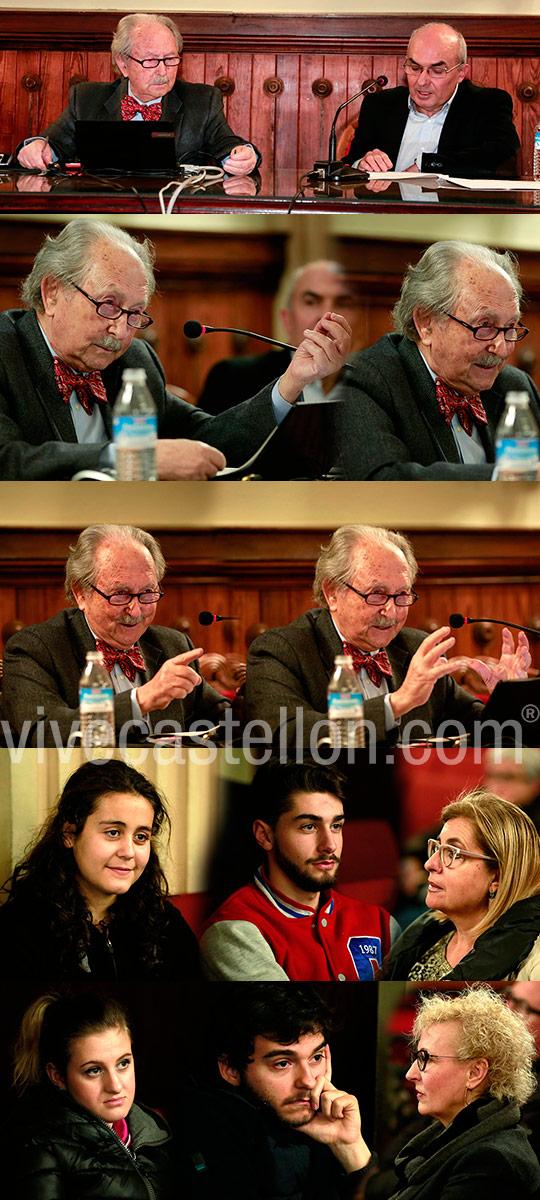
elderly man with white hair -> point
(62, 360)
(146, 52)
(424, 402)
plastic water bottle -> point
(345, 705)
(536, 152)
(517, 441)
(135, 428)
(96, 702)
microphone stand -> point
(333, 169)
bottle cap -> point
(520, 398)
(134, 375)
(343, 660)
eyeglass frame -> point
(414, 1056)
(389, 596)
(457, 852)
(132, 596)
(442, 70)
(497, 328)
(155, 61)
(128, 312)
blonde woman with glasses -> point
(483, 898)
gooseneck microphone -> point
(333, 168)
(194, 329)
(457, 620)
(209, 618)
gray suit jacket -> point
(37, 435)
(43, 665)
(290, 667)
(389, 425)
(195, 110)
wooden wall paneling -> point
(241, 103)
(314, 111)
(264, 106)
(287, 112)
(8, 99)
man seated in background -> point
(515, 776)
(290, 923)
(146, 51)
(440, 122)
(305, 444)
(364, 588)
(62, 359)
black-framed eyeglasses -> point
(149, 596)
(111, 312)
(171, 60)
(449, 854)
(423, 1057)
(488, 333)
(378, 599)
(435, 70)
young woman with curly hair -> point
(90, 898)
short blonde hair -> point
(505, 833)
(489, 1030)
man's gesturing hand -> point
(513, 663)
(322, 352)
(174, 680)
(427, 665)
(337, 1122)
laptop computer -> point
(126, 147)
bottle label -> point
(96, 699)
(345, 706)
(521, 452)
(537, 139)
(137, 432)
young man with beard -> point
(276, 1127)
(289, 922)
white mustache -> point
(108, 342)
(160, 82)
(488, 360)
(382, 623)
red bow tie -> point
(376, 665)
(88, 387)
(129, 661)
(149, 112)
(468, 408)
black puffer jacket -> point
(497, 954)
(60, 1151)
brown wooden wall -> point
(267, 576)
(231, 279)
(284, 76)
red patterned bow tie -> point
(376, 665)
(468, 408)
(129, 661)
(88, 387)
(149, 112)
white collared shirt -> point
(421, 135)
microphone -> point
(194, 329)
(209, 618)
(457, 620)
(333, 168)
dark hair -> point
(46, 880)
(52, 1023)
(283, 1013)
(275, 784)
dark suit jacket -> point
(195, 110)
(303, 446)
(478, 137)
(290, 667)
(43, 665)
(37, 435)
(389, 425)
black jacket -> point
(497, 954)
(28, 950)
(60, 1151)
(482, 1155)
(478, 137)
